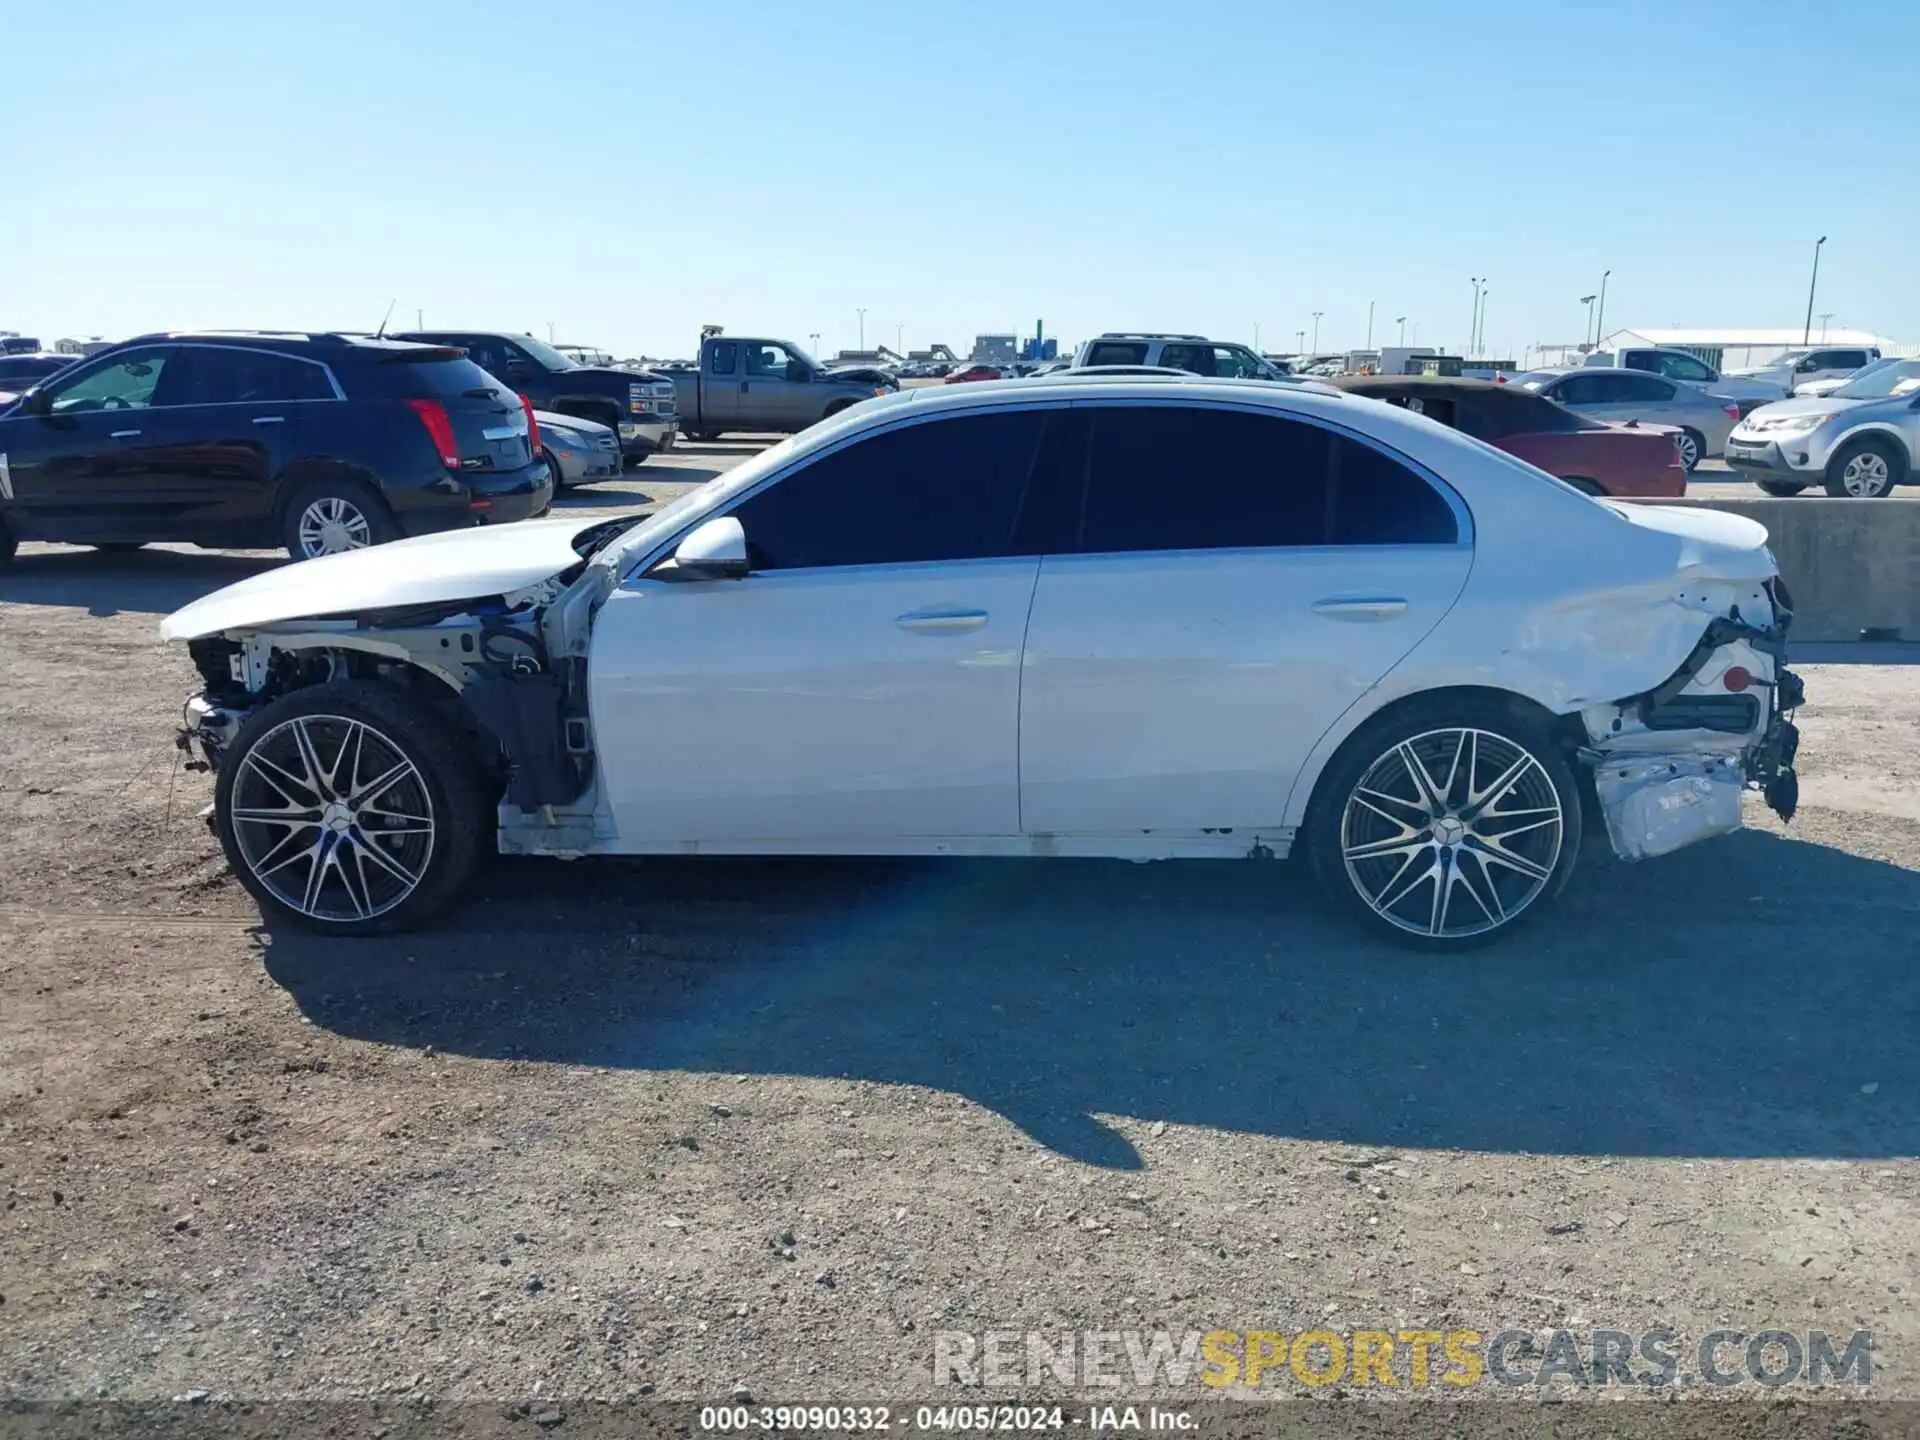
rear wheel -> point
(1446, 825)
(1691, 447)
(350, 809)
(1863, 470)
(1781, 488)
(329, 517)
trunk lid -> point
(1705, 544)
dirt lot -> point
(668, 1127)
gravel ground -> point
(670, 1127)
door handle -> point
(123, 434)
(1360, 607)
(939, 621)
(743, 387)
(269, 419)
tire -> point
(1365, 848)
(1864, 469)
(434, 818)
(1693, 446)
(9, 543)
(1781, 489)
(707, 437)
(834, 409)
(1584, 485)
(559, 484)
(361, 516)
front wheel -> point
(1864, 470)
(1781, 488)
(559, 479)
(1447, 825)
(349, 809)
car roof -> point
(1435, 385)
(333, 339)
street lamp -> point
(1586, 333)
(1825, 316)
(1474, 323)
(1316, 330)
(1480, 330)
(1600, 319)
(815, 338)
(1256, 335)
(1369, 344)
(1810, 284)
(862, 312)
(1300, 342)
(1401, 321)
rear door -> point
(721, 386)
(228, 420)
(1237, 579)
(71, 468)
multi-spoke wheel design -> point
(1447, 825)
(332, 817)
(331, 525)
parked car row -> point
(979, 627)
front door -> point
(721, 386)
(767, 396)
(76, 467)
(859, 690)
(1239, 580)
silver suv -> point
(1193, 353)
(1858, 442)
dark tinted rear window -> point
(439, 373)
(237, 375)
(1117, 352)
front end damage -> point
(1669, 765)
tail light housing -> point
(1733, 411)
(533, 427)
(433, 415)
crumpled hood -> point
(426, 570)
(1710, 544)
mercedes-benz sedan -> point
(1151, 619)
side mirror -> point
(715, 550)
(36, 402)
(797, 370)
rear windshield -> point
(437, 372)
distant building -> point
(91, 346)
(933, 355)
(995, 349)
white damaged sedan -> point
(1140, 618)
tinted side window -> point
(724, 358)
(939, 490)
(1644, 389)
(127, 382)
(1117, 352)
(1379, 501)
(203, 375)
(1167, 477)
(1582, 390)
(1639, 360)
(1685, 367)
(1197, 358)
(1847, 359)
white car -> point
(1136, 618)
(1800, 367)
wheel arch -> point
(1887, 435)
(1355, 725)
(311, 469)
(587, 407)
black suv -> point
(318, 442)
(638, 405)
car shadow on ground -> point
(1695, 1006)
(149, 581)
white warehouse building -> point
(1736, 349)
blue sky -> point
(627, 171)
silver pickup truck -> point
(760, 386)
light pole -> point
(1256, 335)
(1401, 321)
(1369, 344)
(1480, 323)
(1805, 333)
(1300, 342)
(1825, 316)
(1474, 323)
(1586, 332)
(862, 312)
(1316, 330)
(815, 338)
(1600, 320)
(898, 330)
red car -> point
(1633, 461)
(975, 372)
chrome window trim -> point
(634, 572)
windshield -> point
(549, 357)
(1882, 381)
(1792, 357)
(1534, 379)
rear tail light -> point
(1737, 678)
(1733, 411)
(433, 415)
(533, 427)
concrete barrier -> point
(1852, 565)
